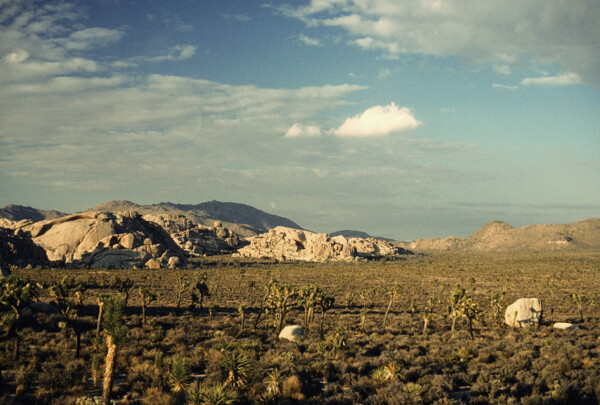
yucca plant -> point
(237, 367)
(273, 382)
(179, 374)
(202, 394)
(115, 331)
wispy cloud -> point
(566, 79)
(178, 52)
(505, 86)
(530, 33)
(309, 41)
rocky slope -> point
(19, 212)
(284, 243)
(242, 219)
(499, 236)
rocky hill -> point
(356, 234)
(294, 244)
(240, 218)
(499, 236)
(19, 212)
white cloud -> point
(309, 41)
(378, 121)
(299, 130)
(504, 86)
(565, 79)
(531, 33)
(89, 38)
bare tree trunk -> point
(100, 310)
(109, 370)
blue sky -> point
(404, 118)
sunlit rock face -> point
(284, 243)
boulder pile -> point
(94, 239)
(284, 243)
(198, 240)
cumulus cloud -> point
(378, 121)
(565, 79)
(299, 130)
(531, 33)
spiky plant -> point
(237, 367)
(180, 287)
(115, 332)
(202, 394)
(273, 383)
(179, 374)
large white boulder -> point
(524, 312)
(293, 333)
(564, 325)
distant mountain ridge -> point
(19, 212)
(500, 236)
(347, 233)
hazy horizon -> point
(404, 119)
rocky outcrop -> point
(92, 239)
(293, 244)
(524, 312)
(17, 249)
(198, 240)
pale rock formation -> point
(293, 333)
(173, 262)
(564, 325)
(197, 240)
(152, 264)
(294, 244)
(93, 239)
(524, 312)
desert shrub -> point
(292, 388)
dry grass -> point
(499, 365)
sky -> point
(402, 118)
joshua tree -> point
(242, 312)
(115, 332)
(16, 293)
(202, 288)
(393, 294)
(263, 303)
(69, 299)
(100, 299)
(495, 301)
(148, 296)
(428, 314)
(180, 286)
(122, 286)
(460, 303)
(307, 299)
(324, 302)
(579, 299)
(280, 302)
(454, 304)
